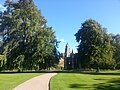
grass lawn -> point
(86, 81)
(9, 80)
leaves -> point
(94, 48)
(28, 42)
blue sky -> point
(66, 16)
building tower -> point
(67, 58)
(67, 50)
(72, 59)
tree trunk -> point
(98, 69)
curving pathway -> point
(37, 83)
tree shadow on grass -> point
(77, 85)
(113, 84)
(88, 72)
(64, 71)
(100, 73)
(15, 72)
(100, 79)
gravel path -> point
(37, 83)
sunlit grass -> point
(86, 81)
(10, 80)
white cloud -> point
(2, 8)
(62, 40)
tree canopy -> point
(116, 43)
(28, 42)
(94, 50)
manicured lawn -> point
(9, 81)
(86, 81)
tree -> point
(2, 62)
(28, 41)
(116, 43)
(5, 20)
(94, 45)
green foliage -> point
(28, 41)
(94, 48)
(116, 43)
(2, 62)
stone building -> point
(70, 59)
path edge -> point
(50, 81)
